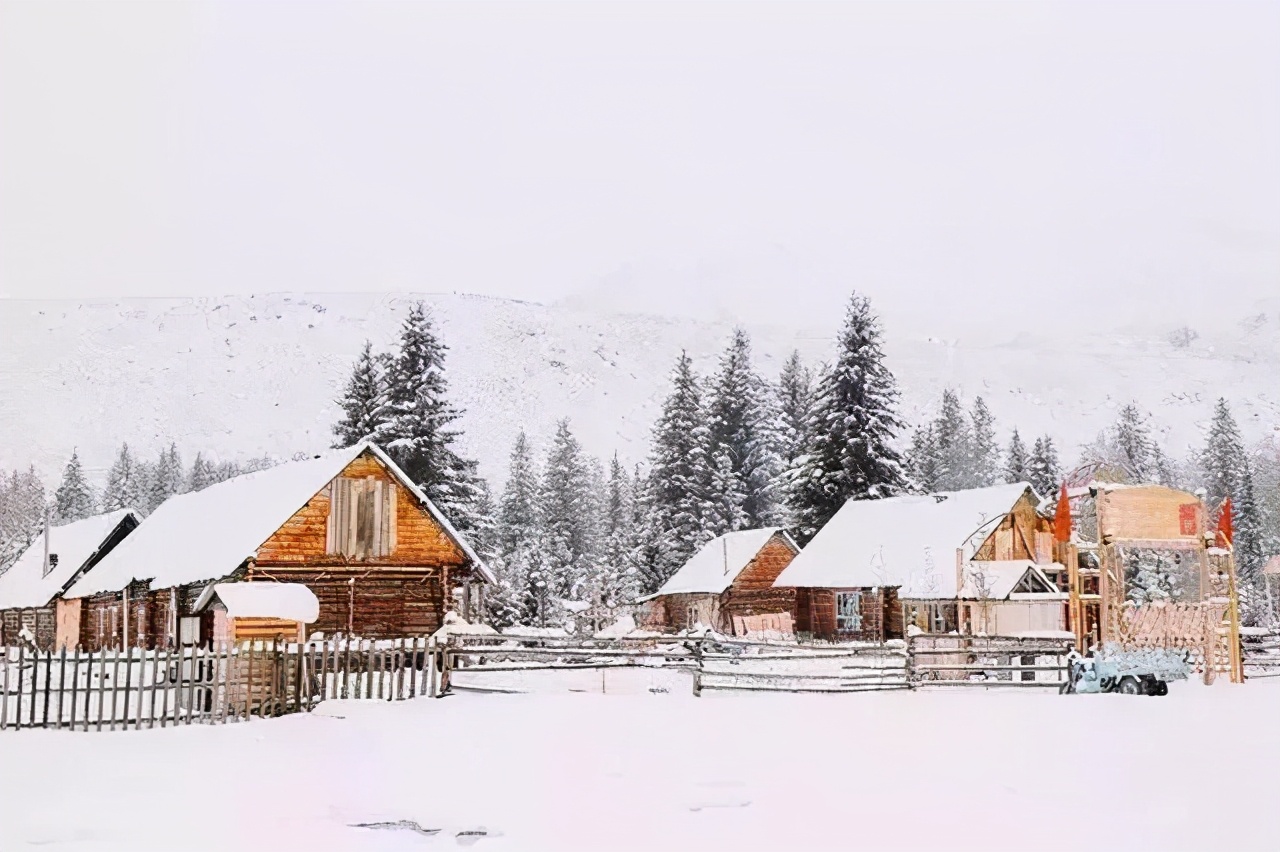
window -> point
(848, 612)
(362, 518)
(692, 615)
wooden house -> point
(257, 611)
(726, 585)
(349, 524)
(975, 561)
(32, 588)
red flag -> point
(1226, 532)
(1062, 517)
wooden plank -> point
(115, 688)
(128, 684)
(62, 683)
(102, 686)
(4, 707)
(413, 669)
(75, 685)
(155, 677)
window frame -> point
(856, 618)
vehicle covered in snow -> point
(1139, 672)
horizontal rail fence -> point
(134, 688)
(714, 663)
(990, 661)
(1261, 654)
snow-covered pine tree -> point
(1133, 442)
(986, 453)
(1228, 472)
(517, 535)
(922, 459)
(794, 407)
(617, 575)
(166, 478)
(1043, 467)
(740, 427)
(74, 498)
(1016, 463)
(679, 476)
(126, 482)
(362, 400)
(203, 474)
(569, 516)
(22, 502)
(648, 549)
(725, 512)
(852, 428)
(953, 438)
(415, 423)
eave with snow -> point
(949, 560)
(728, 585)
(33, 585)
(379, 556)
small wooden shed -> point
(248, 611)
(727, 585)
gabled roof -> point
(719, 562)
(208, 534)
(998, 580)
(908, 541)
(76, 546)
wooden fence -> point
(710, 663)
(136, 688)
(1261, 654)
(990, 661)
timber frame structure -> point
(1152, 518)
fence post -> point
(697, 668)
(4, 708)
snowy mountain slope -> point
(241, 376)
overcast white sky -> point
(753, 160)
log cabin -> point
(974, 561)
(349, 524)
(730, 579)
(32, 588)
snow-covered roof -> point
(288, 601)
(75, 544)
(205, 535)
(718, 563)
(908, 541)
(996, 580)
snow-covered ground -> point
(981, 770)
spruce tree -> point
(953, 439)
(1228, 473)
(1045, 472)
(22, 508)
(517, 534)
(922, 459)
(679, 476)
(617, 580)
(74, 498)
(166, 478)
(794, 408)
(739, 427)
(986, 454)
(1134, 445)
(126, 483)
(853, 427)
(725, 512)
(203, 474)
(362, 401)
(415, 423)
(1017, 467)
(568, 516)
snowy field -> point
(942, 769)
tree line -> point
(730, 450)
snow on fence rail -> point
(999, 661)
(1261, 653)
(136, 688)
(708, 662)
